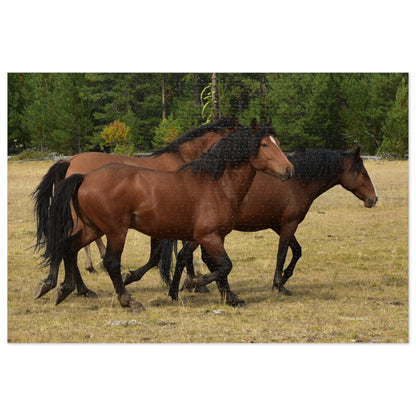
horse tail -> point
(43, 195)
(61, 224)
(165, 264)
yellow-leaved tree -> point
(116, 136)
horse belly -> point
(165, 215)
(172, 228)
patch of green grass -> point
(351, 285)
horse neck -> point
(317, 187)
(193, 150)
(236, 182)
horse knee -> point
(111, 263)
(225, 265)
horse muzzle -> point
(290, 173)
(370, 203)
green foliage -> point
(116, 137)
(395, 130)
(32, 154)
(168, 130)
(66, 112)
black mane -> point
(315, 164)
(215, 126)
(234, 149)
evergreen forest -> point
(130, 113)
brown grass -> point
(351, 284)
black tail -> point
(165, 263)
(43, 195)
(60, 220)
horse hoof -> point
(59, 296)
(40, 290)
(173, 295)
(282, 290)
(233, 300)
(236, 303)
(91, 270)
(189, 283)
(202, 289)
(136, 306)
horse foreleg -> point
(286, 234)
(220, 265)
(154, 258)
(48, 284)
(112, 263)
(296, 255)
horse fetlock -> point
(233, 300)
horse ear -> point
(234, 123)
(357, 153)
(269, 122)
(254, 126)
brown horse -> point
(198, 202)
(282, 206)
(185, 148)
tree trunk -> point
(163, 98)
(214, 96)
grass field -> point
(351, 285)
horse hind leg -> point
(48, 284)
(68, 285)
(88, 260)
(101, 246)
(112, 263)
(181, 261)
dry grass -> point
(351, 284)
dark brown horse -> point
(282, 206)
(198, 202)
(185, 148)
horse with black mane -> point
(198, 202)
(282, 206)
(185, 148)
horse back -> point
(86, 162)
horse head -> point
(356, 179)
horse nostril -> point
(290, 172)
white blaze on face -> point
(375, 190)
(273, 141)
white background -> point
(189, 36)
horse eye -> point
(264, 145)
(365, 174)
